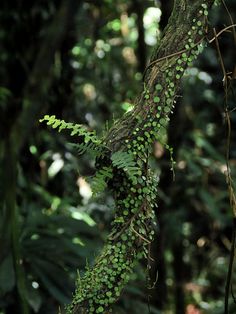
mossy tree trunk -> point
(134, 134)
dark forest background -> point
(83, 61)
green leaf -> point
(126, 162)
(7, 275)
(33, 297)
(99, 182)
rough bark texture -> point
(133, 134)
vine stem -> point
(230, 268)
(185, 50)
(232, 198)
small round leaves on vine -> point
(100, 309)
(158, 87)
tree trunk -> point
(133, 135)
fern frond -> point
(89, 147)
(126, 162)
(91, 142)
(99, 182)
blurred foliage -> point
(90, 73)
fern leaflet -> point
(91, 142)
(89, 147)
(99, 182)
(126, 162)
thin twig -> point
(229, 275)
(232, 198)
(129, 222)
(154, 62)
(122, 230)
(231, 19)
(168, 56)
(221, 32)
(139, 235)
(220, 59)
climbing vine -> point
(123, 159)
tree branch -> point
(134, 133)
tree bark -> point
(134, 134)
